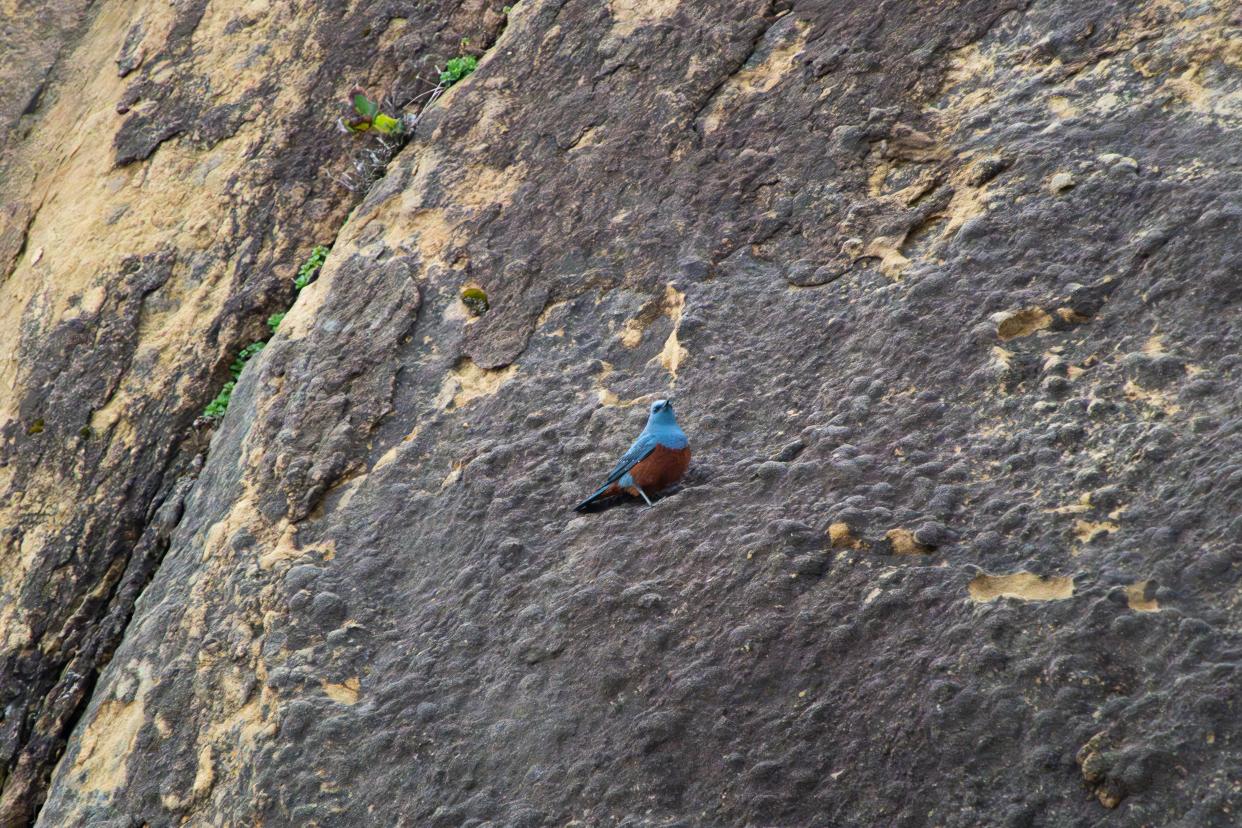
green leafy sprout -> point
(457, 68)
(306, 274)
(366, 115)
(216, 408)
(310, 268)
(244, 356)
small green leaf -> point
(274, 320)
(216, 408)
(363, 105)
(386, 125)
(244, 356)
(457, 68)
(310, 268)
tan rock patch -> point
(1024, 586)
(1140, 596)
(840, 537)
(110, 738)
(1088, 530)
(673, 353)
(903, 542)
(757, 79)
(1025, 322)
(344, 693)
(468, 382)
(630, 15)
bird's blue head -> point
(662, 414)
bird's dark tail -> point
(599, 495)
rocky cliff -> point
(947, 295)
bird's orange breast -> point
(661, 468)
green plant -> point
(476, 300)
(365, 115)
(457, 68)
(244, 356)
(507, 10)
(310, 268)
(216, 408)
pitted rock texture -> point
(156, 200)
(947, 297)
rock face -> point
(947, 296)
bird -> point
(656, 460)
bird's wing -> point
(644, 445)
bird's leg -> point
(644, 494)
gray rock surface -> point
(961, 541)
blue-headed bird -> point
(657, 459)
